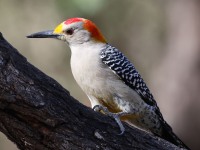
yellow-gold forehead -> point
(58, 29)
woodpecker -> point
(109, 79)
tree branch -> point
(38, 113)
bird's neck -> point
(86, 48)
(84, 59)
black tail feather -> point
(170, 136)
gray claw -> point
(113, 115)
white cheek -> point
(79, 37)
(63, 38)
(85, 36)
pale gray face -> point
(72, 34)
(75, 33)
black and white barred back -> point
(126, 71)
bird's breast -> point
(97, 80)
(89, 71)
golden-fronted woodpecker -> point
(109, 79)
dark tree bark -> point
(38, 113)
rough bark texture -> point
(38, 113)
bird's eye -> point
(69, 31)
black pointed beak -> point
(44, 34)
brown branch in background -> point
(38, 113)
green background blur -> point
(160, 37)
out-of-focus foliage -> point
(139, 28)
(78, 7)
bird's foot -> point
(116, 116)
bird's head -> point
(73, 31)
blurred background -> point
(162, 39)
